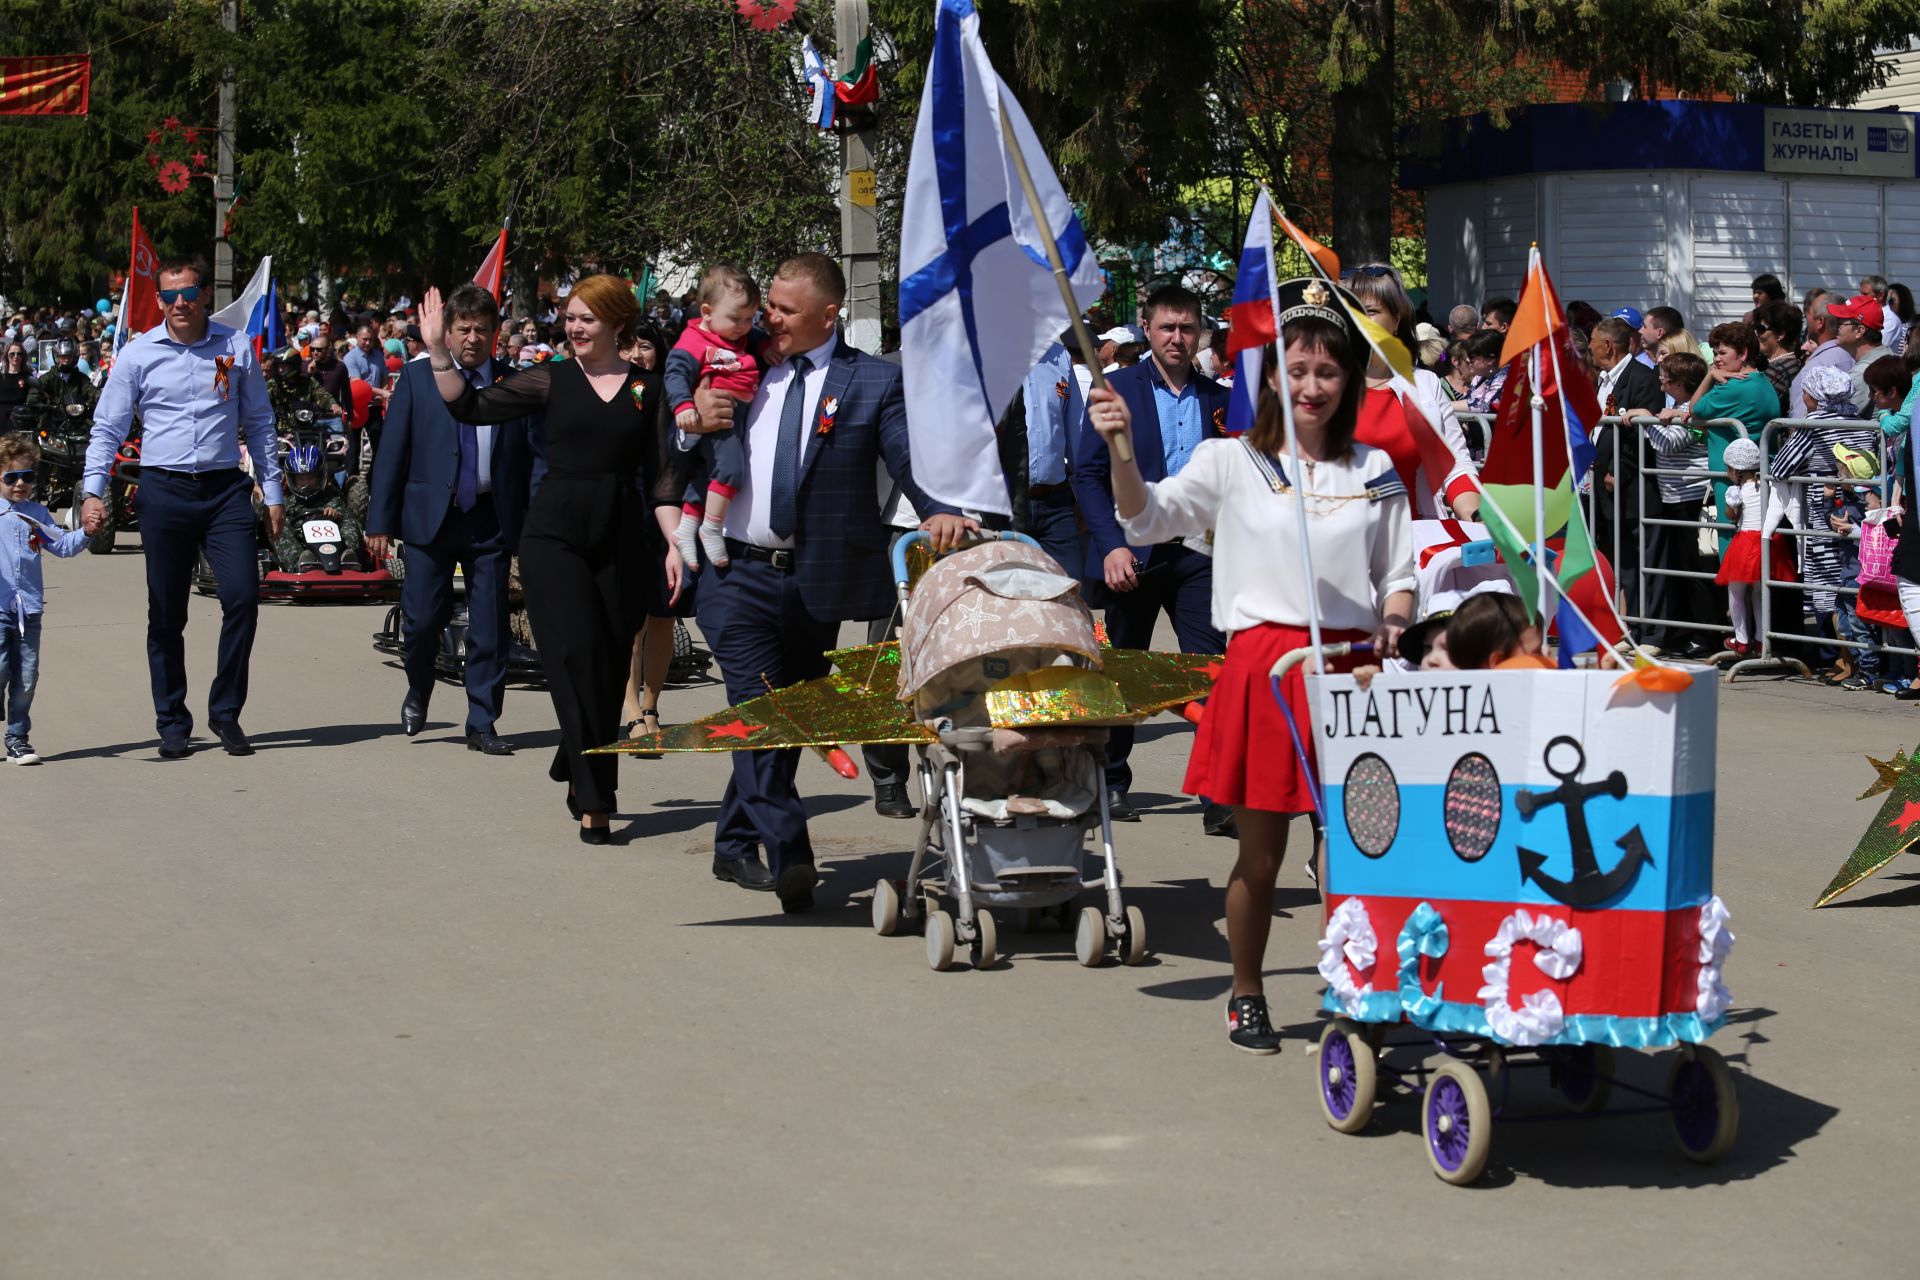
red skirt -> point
(1242, 753)
(1741, 560)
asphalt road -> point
(363, 1006)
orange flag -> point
(493, 271)
(1536, 317)
(1323, 257)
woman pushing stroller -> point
(1359, 529)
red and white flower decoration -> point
(765, 15)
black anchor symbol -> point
(1588, 887)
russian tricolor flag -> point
(1250, 318)
(256, 312)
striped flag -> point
(1250, 318)
(820, 84)
(492, 273)
(978, 303)
(256, 312)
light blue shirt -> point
(1053, 402)
(21, 592)
(370, 369)
(1180, 427)
(188, 421)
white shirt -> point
(747, 515)
(1362, 546)
(483, 436)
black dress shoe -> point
(487, 742)
(596, 835)
(748, 873)
(1217, 820)
(175, 748)
(234, 741)
(1119, 808)
(890, 801)
(795, 887)
(413, 714)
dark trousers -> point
(471, 540)
(1052, 521)
(752, 617)
(1178, 582)
(180, 515)
(1681, 599)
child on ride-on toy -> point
(24, 534)
(312, 495)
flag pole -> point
(1538, 403)
(1295, 474)
(1122, 449)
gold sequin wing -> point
(1152, 682)
(834, 710)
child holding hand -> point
(721, 346)
(26, 530)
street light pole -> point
(859, 223)
(223, 173)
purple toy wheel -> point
(1457, 1123)
(1584, 1075)
(1348, 1076)
(1448, 1124)
(1336, 1077)
(1705, 1106)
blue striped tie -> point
(783, 503)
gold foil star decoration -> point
(1888, 771)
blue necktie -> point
(783, 503)
(466, 491)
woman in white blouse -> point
(1240, 492)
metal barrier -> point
(1766, 638)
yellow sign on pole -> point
(860, 189)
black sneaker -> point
(20, 751)
(1248, 1027)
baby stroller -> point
(998, 632)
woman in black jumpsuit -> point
(590, 526)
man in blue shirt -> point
(1054, 412)
(1174, 408)
(365, 360)
(196, 388)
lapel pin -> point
(828, 408)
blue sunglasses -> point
(169, 296)
(17, 477)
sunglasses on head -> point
(17, 477)
(1376, 270)
(170, 296)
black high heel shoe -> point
(597, 835)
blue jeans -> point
(19, 670)
(1848, 624)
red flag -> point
(493, 271)
(140, 303)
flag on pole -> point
(1250, 318)
(819, 84)
(492, 273)
(253, 312)
(978, 303)
(861, 84)
(140, 298)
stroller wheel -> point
(986, 940)
(939, 941)
(1090, 939)
(886, 908)
(1136, 944)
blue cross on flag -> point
(978, 302)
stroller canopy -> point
(989, 612)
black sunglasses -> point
(169, 296)
(17, 477)
(1376, 270)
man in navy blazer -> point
(807, 547)
(455, 494)
(1174, 408)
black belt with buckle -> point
(781, 558)
(1048, 490)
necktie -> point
(466, 491)
(783, 503)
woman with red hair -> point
(583, 552)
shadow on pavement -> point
(1906, 895)
(1535, 1137)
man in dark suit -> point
(807, 544)
(1174, 408)
(1621, 493)
(456, 494)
